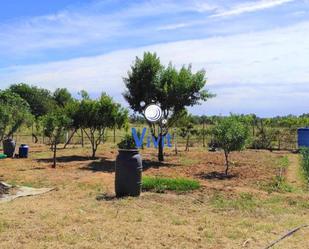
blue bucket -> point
(23, 151)
(303, 137)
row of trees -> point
(148, 81)
(264, 133)
(57, 113)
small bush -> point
(127, 143)
(160, 184)
(229, 134)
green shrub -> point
(229, 134)
(127, 143)
(160, 184)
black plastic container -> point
(128, 173)
(9, 147)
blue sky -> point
(255, 52)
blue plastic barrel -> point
(23, 151)
(303, 137)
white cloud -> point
(174, 26)
(76, 27)
(258, 71)
(251, 7)
(83, 26)
(217, 10)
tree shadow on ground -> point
(216, 176)
(110, 197)
(148, 164)
(108, 165)
(66, 159)
(106, 197)
(103, 165)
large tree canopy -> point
(150, 82)
(14, 111)
(40, 100)
(173, 89)
(62, 97)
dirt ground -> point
(233, 212)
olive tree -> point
(230, 134)
(96, 116)
(149, 81)
(72, 110)
(40, 100)
(14, 112)
(55, 124)
(120, 120)
(62, 97)
(186, 124)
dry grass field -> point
(242, 211)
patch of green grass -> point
(95, 187)
(284, 162)
(304, 179)
(244, 201)
(247, 203)
(186, 161)
(38, 183)
(278, 184)
(3, 225)
(161, 184)
(178, 222)
(298, 203)
(305, 163)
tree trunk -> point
(69, 140)
(55, 154)
(82, 134)
(226, 154)
(32, 132)
(94, 150)
(204, 145)
(187, 143)
(160, 149)
(114, 135)
(35, 138)
(175, 141)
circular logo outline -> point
(153, 113)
